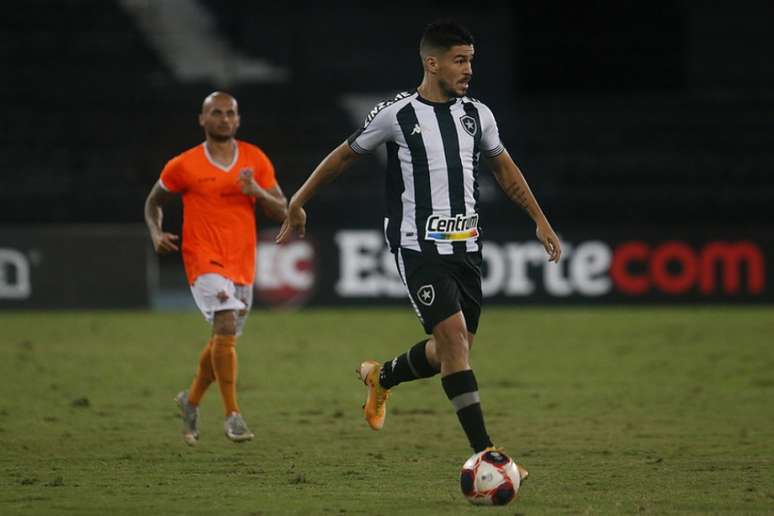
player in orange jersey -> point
(220, 181)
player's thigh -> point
(431, 288)
(214, 293)
(245, 294)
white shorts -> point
(215, 293)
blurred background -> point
(644, 129)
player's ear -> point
(431, 63)
(201, 120)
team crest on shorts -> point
(426, 295)
(469, 124)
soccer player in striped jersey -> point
(434, 136)
(221, 181)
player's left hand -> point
(550, 241)
(247, 182)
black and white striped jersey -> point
(433, 154)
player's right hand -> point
(295, 223)
(165, 243)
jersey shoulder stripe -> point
(381, 106)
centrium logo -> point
(284, 274)
(676, 268)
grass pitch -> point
(614, 411)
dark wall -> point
(599, 47)
(619, 114)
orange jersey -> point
(219, 230)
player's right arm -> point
(162, 242)
(376, 129)
(329, 169)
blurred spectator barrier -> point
(87, 266)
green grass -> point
(614, 411)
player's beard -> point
(220, 137)
(448, 90)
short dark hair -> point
(442, 35)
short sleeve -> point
(491, 145)
(173, 176)
(264, 172)
(376, 130)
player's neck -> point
(431, 90)
(221, 151)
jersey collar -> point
(218, 165)
(448, 103)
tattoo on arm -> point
(519, 195)
(153, 212)
(513, 183)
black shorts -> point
(442, 285)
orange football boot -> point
(376, 402)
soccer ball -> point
(489, 477)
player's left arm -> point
(271, 200)
(512, 181)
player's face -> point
(455, 70)
(220, 118)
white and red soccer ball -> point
(490, 477)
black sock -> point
(462, 390)
(411, 365)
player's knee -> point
(451, 342)
(225, 322)
(460, 348)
